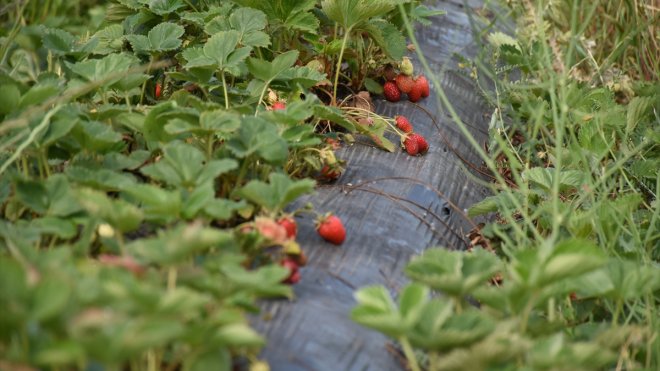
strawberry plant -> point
(149, 155)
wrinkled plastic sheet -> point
(393, 206)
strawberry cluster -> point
(413, 143)
(416, 87)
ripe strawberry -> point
(292, 266)
(403, 124)
(290, 225)
(391, 92)
(158, 90)
(411, 145)
(332, 230)
(404, 83)
(277, 106)
(422, 144)
(329, 173)
(423, 84)
(415, 94)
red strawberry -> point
(290, 225)
(422, 144)
(277, 106)
(404, 83)
(158, 90)
(411, 145)
(294, 275)
(329, 173)
(403, 124)
(423, 84)
(391, 92)
(332, 230)
(415, 94)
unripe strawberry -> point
(391, 92)
(407, 66)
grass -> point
(574, 151)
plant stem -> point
(224, 89)
(261, 97)
(171, 278)
(338, 68)
(410, 353)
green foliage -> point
(138, 157)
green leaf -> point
(96, 136)
(333, 114)
(110, 69)
(61, 352)
(157, 203)
(279, 192)
(411, 302)
(238, 335)
(421, 14)
(250, 23)
(55, 226)
(184, 166)
(180, 243)
(150, 332)
(572, 258)
(10, 98)
(268, 71)
(163, 7)
(100, 178)
(165, 36)
(120, 214)
(110, 39)
(373, 86)
(222, 209)
(222, 46)
(257, 136)
(38, 94)
(498, 39)
(350, 13)
(387, 36)
(50, 297)
(453, 272)
(33, 195)
(216, 359)
(58, 41)
(199, 198)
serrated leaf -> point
(268, 71)
(250, 23)
(350, 13)
(163, 7)
(498, 39)
(58, 41)
(277, 193)
(165, 36)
